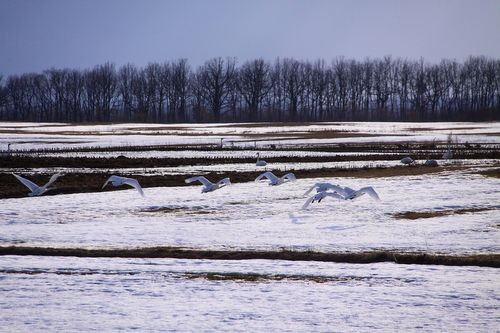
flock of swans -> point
(323, 190)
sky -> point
(39, 34)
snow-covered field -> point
(257, 216)
(29, 136)
(71, 294)
(39, 294)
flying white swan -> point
(118, 181)
(353, 194)
(345, 193)
(320, 196)
(208, 185)
(259, 161)
(274, 180)
(34, 188)
(322, 187)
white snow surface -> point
(85, 294)
(257, 216)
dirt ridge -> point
(398, 257)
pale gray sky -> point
(39, 34)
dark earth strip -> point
(484, 260)
(410, 215)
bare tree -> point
(216, 75)
(254, 84)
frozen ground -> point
(256, 216)
(40, 294)
(84, 294)
(28, 136)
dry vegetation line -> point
(484, 260)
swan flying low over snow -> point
(345, 193)
(208, 186)
(351, 194)
(322, 187)
(118, 181)
(34, 188)
(274, 180)
(320, 196)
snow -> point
(86, 294)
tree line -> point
(384, 89)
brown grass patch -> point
(495, 173)
(412, 215)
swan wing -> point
(52, 179)
(225, 181)
(110, 179)
(371, 192)
(269, 175)
(308, 202)
(290, 176)
(135, 184)
(312, 188)
(28, 183)
(200, 179)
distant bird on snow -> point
(274, 180)
(407, 160)
(259, 161)
(34, 188)
(448, 155)
(208, 186)
(118, 181)
(431, 163)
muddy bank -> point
(485, 260)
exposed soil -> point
(254, 277)
(491, 173)
(436, 213)
(486, 260)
